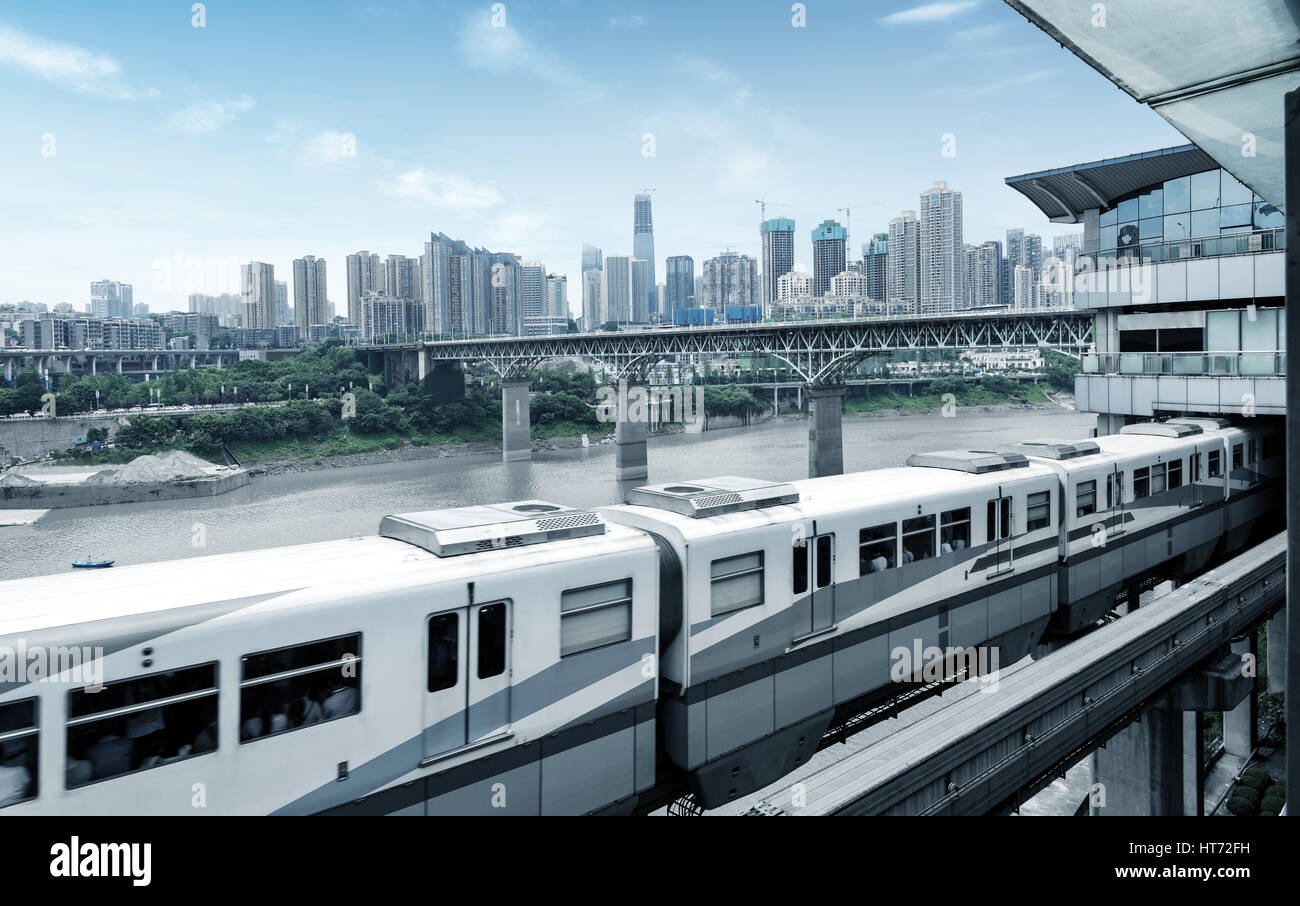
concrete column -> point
(516, 441)
(1109, 424)
(1238, 738)
(119, 364)
(1193, 767)
(1277, 652)
(1141, 767)
(423, 363)
(825, 431)
(631, 456)
(93, 365)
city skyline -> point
(209, 161)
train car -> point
(804, 599)
(490, 659)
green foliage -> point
(1257, 779)
(730, 401)
(1244, 802)
(1272, 802)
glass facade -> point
(1191, 208)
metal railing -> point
(1256, 241)
(1239, 364)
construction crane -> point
(847, 211)
(762, 206)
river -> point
(327, 504)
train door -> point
(1115, 501)
(467, 692)
(1196, 496)
(999, 534)
(814, 585)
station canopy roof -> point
(1065, 193)
(1217, 71)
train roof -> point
(367, 563)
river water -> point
(302, 507)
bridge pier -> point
(825, 431)
(1239, 722)
(1277, 652)
(1140, 770)
(631, 452)
(516, 441)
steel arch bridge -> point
(819, 352)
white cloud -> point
(930, 12)
(209, 116)
(437, 190)
(635, 21)
(64, 63)
(330, 147)
(504, 50)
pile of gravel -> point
(172, 465)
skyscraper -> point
(778, 255)
(110, 299)
(402, 277)
(641, 289)
(1025, 250)
(283, 311)
(258, 289)
(982, 281)
(941, 250)
(618, 289)
(643, 245)
(729, 279)
(557, 296)
(310, 301)
(830, 241)
(875, 264)
(902, 274)
(365, 275)
(591, 259)
(593, 299)
(679, 284)
(532, 288)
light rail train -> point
(528, 658)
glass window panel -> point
(954, 530)
(1268, 217)
(444, 651)
(1128, 235)
(1178, 195)
(491, 640)
(1205, 190)
(1236, 456)
(823, 561)
(1175, 474)
(1151, 204)
(1261, 333)
(312, 654)
(799, 567)
(1214, 463)
(1205, 223)
(1109, 217)
(1177, 226)
(1235, 215)
(1233, 192)
(1141, 482)
(19, 747)
(1151, 228)
(877, 549)
(1158, 478)
(737, 592)
(731, 565)
(578, 598)
(1108, 236)
(1039, 510)
(595, 628)
(1085, 498)
(1128, 210)
(1223, 331)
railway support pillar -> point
(1277, 652)
(516, 442)
(631, 456)
(1140, 770)
(825, 431)
(1239, 723)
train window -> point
(1038, 510)
(444, 651)
(737, 583)
(19, 743)
(1215, 463)
(1236, 456)
(954, 530)
(918, 538)
(141, 723)
(1158, 478)
(1141, 483)
(1251, 456)
(1085, 498)
(999, 518)
(1114, 490)
(291, 688)
(877, 548)
(1194, 468)
(800, 567)
(823, 561)
(1175, 474)
(595, 616)
(491, 640)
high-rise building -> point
(110, 299)
(640, 291)
(941, 250)
(591, 259)
(875, 265)
(557, 296)
(402, 278)
(365, 275)
(1023, 282)
(679, 285)
(310, 300)
(1025, 250)
(850, 283)
(532, 288)
(778, 255)
(283, 312)
(643, 246)
(1065, 241)
(593, 299)
(468, 291)
(618, 289)
(258, 291)
(503, 313)
(830, 248)
(795, 283)
(982, 281)
(730, 279)
(903, 265)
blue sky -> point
(236, 140)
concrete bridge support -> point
(1277, 652)
(1140, 770)
(516, 442)
(631, 455)
(825, 431)
(1239, 722)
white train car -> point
(489, 659)
(802, 597)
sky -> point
(158, 143)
